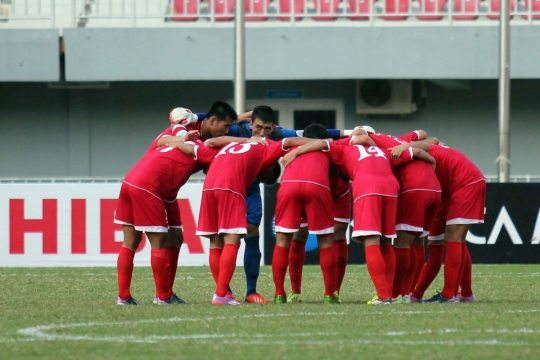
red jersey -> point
(367, 166)
(338, 186)
(454, 170)
(163, 171)
(312, 168)
(173, 131)
(412, 175)
(237, 165)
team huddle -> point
(397, 190)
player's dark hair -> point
(264, 113)
(272, 175)
(222, 111)
(315, 131)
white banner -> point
(72, 225)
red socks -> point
(341, 254)
(327, 261)
(389, 257)
(466, 279)
(452, 267)
(213, 260)
(403, 261)
(161, 268)
(124, 267)
(430, 270)
(280, 261)
(419, 259)
(227, 265)
(174, 253)
(297, 257)
(377, 270)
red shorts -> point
(416, 210)
(297, 198)
(142, 209)
(342, 209)
(375, 215)
(465, 206)
(222, 212)
(173, 214)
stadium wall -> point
(85, 132)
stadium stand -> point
(466, 7)
(185, 7)
(256, 10)
(495, 10)
(359, 7)
(326, 10)
(396, 10)
(533, 5)
(285, 9)
(430, 9)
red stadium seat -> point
(359, 7)
(431, 7)
(535, 9)
(285, 9)
(258, 12)
(496, 9)
(466, 7)
(396, 10)
(224, 10)
(185, 7)
(326, 9)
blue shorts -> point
(254, 204)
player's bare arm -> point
(187, 149)
(424, 156)
(295, 141)
(221, 141)
(313, 145)
(362, 140)
(183, 136)
(397, 151)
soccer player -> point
(464, 197)
(223, 208)
(340, 188)
(305, 189)
(419, 198)
(146, 190)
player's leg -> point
(452, 262)
(161, 267)
(175, 240)
(435, 253)
(318, 207)
(367, 229)
(342, 216)
(297, 258)
(252, 252)
(231, 209)
(289, 205)
(466, 207)
(280, 262)
(124, 265)
(418, 258)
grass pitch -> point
(67, 313)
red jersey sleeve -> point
(409, 137)
(177, 128)
(404, 158)
(203, 153)
(273, 152)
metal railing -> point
(198, 177)
(159, 13)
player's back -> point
(454, 169)
(162, 171)
(313, 167)
(367, 166)
(237, 165)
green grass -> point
(61, 313)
